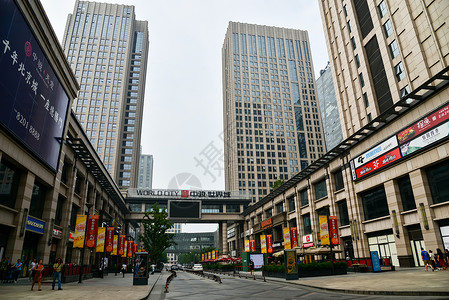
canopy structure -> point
(317, 250)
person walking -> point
(426, 258)
(57, 269)
(440, 259)
(124, 269)
(251, 266)
(38, 274)
(432, 260)
(17, 268)
(4, 266)
(31, 268)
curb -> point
(152, 288)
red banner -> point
(379, 163)
(130, 248)
(92, 227)
(252, 246)
(121, 245)
(135, 248)
(333, 230)
(294, 237)
(109, 239)
(269, 243)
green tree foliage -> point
(277, 184)
(154, 237)
(190, 258)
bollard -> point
(254, 277)
(264, 279)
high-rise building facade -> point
(145, 171)
(272, 123)
(329, 108)
(108, 52)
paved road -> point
(189, 286)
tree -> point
(154, 237)
(277, 184)
(190, 258)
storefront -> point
(383, 243)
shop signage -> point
(375, 260)
(71, 236)
(57, 233)
(35, 225)
(290, 259)
(427, 139)
(376, 151)
(267, 223)
(173, 194)
(379, 163)
(308, 238)
(231, 233)
(252, 245)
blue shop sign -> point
(375, 260)
(35, 225)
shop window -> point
(291, 203)
(9, 183)
(58, 215)
(343, 212)
(279, 208)
(320, 189)
(304, 197)
(75, 210)
(78, 184)
(64, 173)
(269, 213)
(338, 180)
(307, 224)
(37, 201)
(438, 178)
(406, 191)
(375, 203)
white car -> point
(197, 267)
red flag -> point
(109, 239)
(269, 243)
(92, 227)
(121, 245)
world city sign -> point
(184, 194)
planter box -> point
(321, 272)
(273, 274)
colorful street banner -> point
(269, 243)
(91, 236)
(202, 256)
(252, 246)
(115, 245)
(216, 254)
(100, 239)
(125, 247)
(109, 242)
(287, 240)
(80, 231)
(130, 249)
(294, 237)
(135, 248)
(246, 245)
(333, 230)
(121, 245)
(213, 254)
(324, 230)
(263, 243)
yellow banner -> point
(100, 238)
(287, 241)
(114, 245)
(324, 230)
(213, 254)
(263, 243)
(246, 245)
(126, 248)
(80, 231)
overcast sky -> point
(183, 115)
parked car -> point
(197, 267)
(174, 267)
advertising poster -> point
(80, 231)
(333, 230)
(216, 254)
(115, 245)
(91, 236)
(252, 245)
(121, 245)
(376, 151)
(379, 163)
(287, 240)
(290, 259)
(125, 247)
(213, 255)
(263, 243)
(269, 243)
(202, 256)
(294, 237)
(246, 245)
(130, 249)
(324, 230)
(109, 239)
(375, 260)
(428, 138)
(100, 239)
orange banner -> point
(324, 230)
(80, 231)
(287, 241)
(109, 239)
(91, 236)
(125, 248)
(100, 239)
(333, 230)
(269, 243)
(263, 244)
(130, 248)
(121, 245)
(246, 245)
(114, 245)
(294, 237)
(252, 245)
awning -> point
(279, 253)
(317, 251)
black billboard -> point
(34, 104)
(184, 209)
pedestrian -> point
(17, 268)
(3, 267)
(57, 269)
(432, 260)
(31, 268)
(446, 257)
(426, 258)
(124, 269)
(38, 275)
(251, 266)
(441, 260)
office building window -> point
(394, 50)
(399, 71)
(304, 197)
(382, 9)
(307, 224)
(338, 180)
(375, 203)
(291, 204)
(343, 212)
(438, 177)
(406, 191)
(320, 189)
(9, 183)
(388, 28)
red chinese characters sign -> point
(92, 227)
(130, 249)
(294, 237)
(333, 230)
(109, 239)
(269, 243)
(121, 245)
(252, 245)
(379, 163)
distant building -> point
(173, 257)
(145, 172)
(329, 108)
(188, 242)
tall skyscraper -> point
(272, 122)
(329, 108)
(108, 51)
(145, 171)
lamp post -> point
(80, 279)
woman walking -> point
(38, 274)
(57, 269)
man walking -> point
(426, 258)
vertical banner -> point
(252, 246)
(202, 256)
(121, 245)
(324, 230)
(100, 239)
(287, 240)
(333, 230)
(92, 225)
(269, 243)
(213, 255)
(130, 249)
(109, 243)
(216, 254)
(80, 230)
(115, 245)
(135, 248)
(246, 245)
(125, 247)
(294, 237)
(263, 243)
(290, 262)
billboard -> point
(184, 209)
(34, 103)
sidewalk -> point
(403, 282)
(109, 287)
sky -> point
(183, 110)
